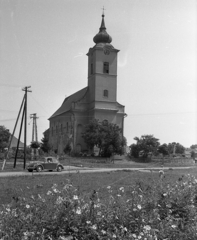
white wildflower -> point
(27, 206)
(139, 206)
(161, 173)
(75, 197)
(55, 190)
(78, 211)
(59, 200)
(147, 228)
(94, 227)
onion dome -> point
(102, 36)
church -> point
(96, 101)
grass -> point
(13, 187)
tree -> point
(145, 145)
(163, 149)
(134, 150)
(45, 146)
(106, 136)
(91, 134)
(180, 149)
(193, 154)
(67, 149)
(175, 148)
(193, 146)
(4, 138)
(35, 145)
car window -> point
(49, 160)
(55, 160)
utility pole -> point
(34, 128)
(24, 114)
(25, 124)
(4, 162)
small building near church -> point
(96, 101)
(13, 144)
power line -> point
(9, 85)
(39, 103)
(166, 113)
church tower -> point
(98, 100)
(102, 77)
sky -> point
(43, 44)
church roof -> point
(67, 103)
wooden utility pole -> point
(24, 114)
(25, 124)
(11, 137)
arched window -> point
(105, 67)
(105, 93)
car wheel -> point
(39, 169)
(59, 168)
(30, 170)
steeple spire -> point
(102, 36)
(103, 21)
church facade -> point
(96, 101)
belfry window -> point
(105, 67)
(105, 93)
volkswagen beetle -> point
(45, 163)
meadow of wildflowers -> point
(138, 210)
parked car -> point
(45, 163)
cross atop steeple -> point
(103, 11)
